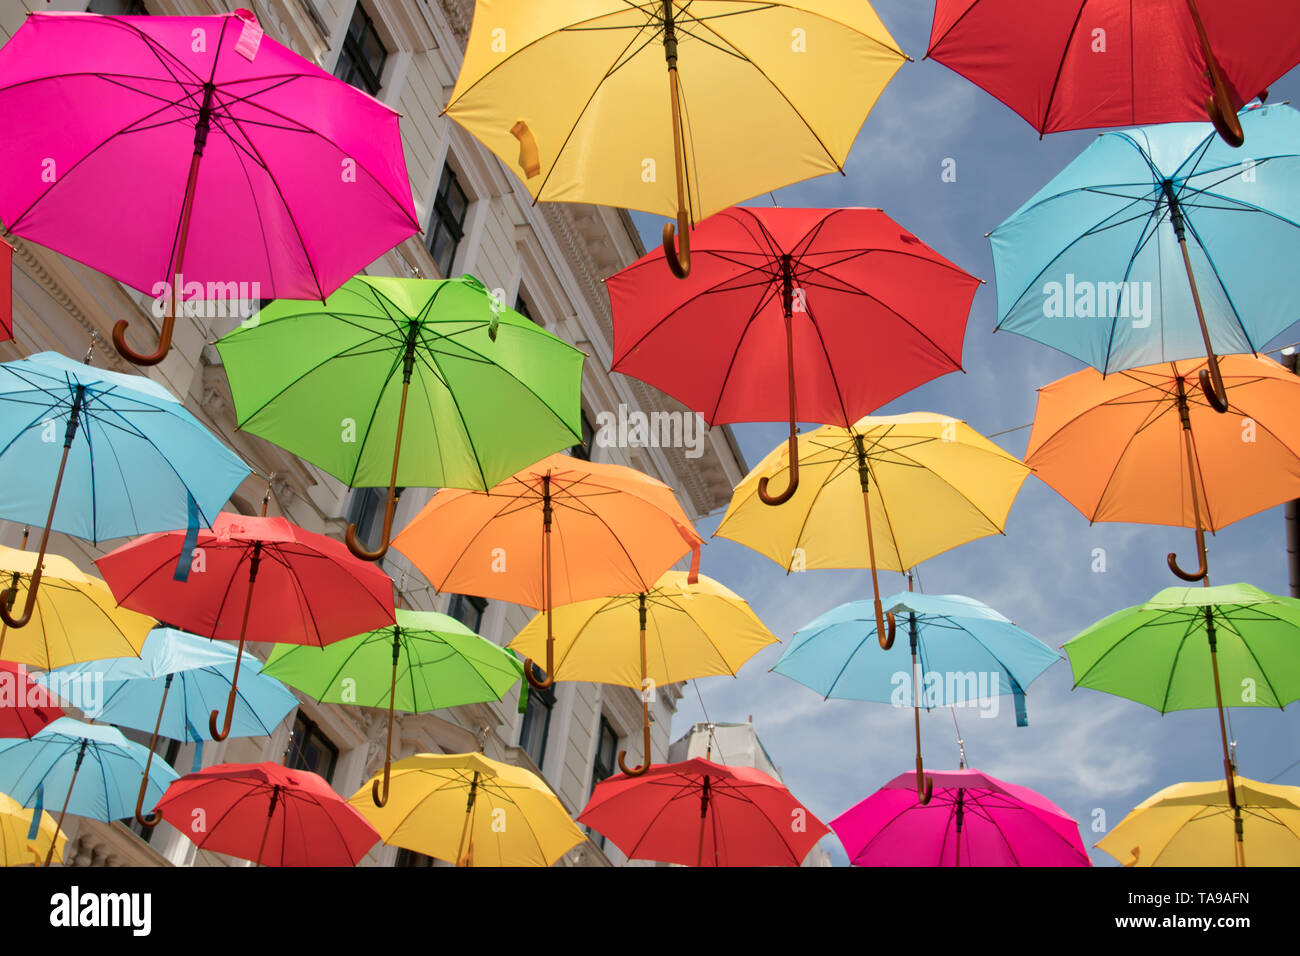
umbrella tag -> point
(198, 749)
(186, 559)
(1022, 712)
(250, 35)
(36, 813)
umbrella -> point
(131, 460)
(1116, 63)
(861, 310)
(973, 820)
(615, 531)
(492, 390)
(688, 629)
(18, 845)
(50, 762)
(1141, 446)
(698, 810)
(73, 618)
(425, 661)
(1172, 651)
(309, 589)
(269, 814)
(25, 706)
(1156, 245)
(949, 635)
(573, 99)
(233, 160)
(471, 810)
(1191, 824)
(138, 693)
(938, 484)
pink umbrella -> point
(194, 152)
(972, 820)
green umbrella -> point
(1180, 649)
(491, 391)
(426, 661)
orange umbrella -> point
(559, 531)
(1125, 447)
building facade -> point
(549, 259)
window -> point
(526, 310)
(537, 720)
(309, 749)
(361, 61)
(604, 765)
(583, 450)
(411, 858)
(468, 610)
(447, 224)
(366, 511)
(119, 8)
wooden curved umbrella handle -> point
(529, 667)
(1226, 122)
(153, 819)
(377, 794)
(1212, 385)
(678, 262)
(1199, 575)
(645, 760)
(136, 358)
(9, 595)
(886, 627)
(224, 732)
(385, 536)
(786, 495)
(924, 785)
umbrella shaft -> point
(58, 826)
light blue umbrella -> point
(1159, 244)
(52, 761)
(964, 650)
(172, 687)
(98, 455)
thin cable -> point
(712, 736)
(961, 744)
(1289, 767)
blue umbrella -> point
(965, 651)
(178, 679)
(1159, 244)
(124, 456)
(52, 759)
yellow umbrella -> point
(674, 107)
(888, 493)
(687, 630)
(1191, 824)
(75, 618)
(15, 824)
(471, 810)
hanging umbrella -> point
(573, 99)
(861, 310)
(50, 764)
(688, 629)
(139, 693)
(698, 811)
(426, 661)
(1143, 446)
(615, 531)
(491, 390)
(18, 845)
(1098, 63)
(122, 453)
(308, 588)
(950, 636)
(74, 617)
(1192, 824)
(1156, 245)
(233, 160)
(1178, 650)
(269, 814)
(25, 705)
(471, 810)
(928, 482)
(973, 820)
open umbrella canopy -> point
(701, 813)
(15, 825)
(25, 705)
(972, 819)
(1191, 824)
(272, 815)
(471, 810)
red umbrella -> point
(269, 814)
(1100, 63)
(305, 588)
(701, 813)
(25, 706)
(844, 305)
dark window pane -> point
(118, 8)
(447, 224)
(366, 511)
(583, 450)
(468, 610)
(407, 857)
(309, 749)
(537, 720)
(361, 61)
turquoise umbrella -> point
(172, 687)
(52, 760)
(1159, 244)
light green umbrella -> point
(1181, 649)
(426, 661)
(490, 391)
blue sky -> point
(1085, 750)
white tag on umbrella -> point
(250, 35)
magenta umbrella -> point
(194, 152)
(972, 820)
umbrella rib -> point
(1060, 66)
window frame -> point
(460, 601)
(441, 216)
(294, 752)
(353, 50)
(543, 700)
